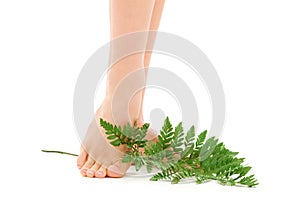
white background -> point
(254, 46)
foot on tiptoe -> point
(90, 164)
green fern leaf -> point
(166, 134)
(202, 159)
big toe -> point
(117, 170)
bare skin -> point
(127, 16)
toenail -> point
(79, 167)
(91, 172)
(100, 173)
(84, 170)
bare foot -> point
(98, 158)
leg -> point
(126, 16)
(154, 24)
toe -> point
(81, 158)
(101, 172)
(117, 170)
(89, 163)
(91, 172)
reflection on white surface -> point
(141, 173)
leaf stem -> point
(59, 152)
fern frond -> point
(164, 175)
(189, 143)
(199, 142)
(208, 147)
(113, 133)
(190, 137)
(180, 156)
(166, 134)
(178, 138)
